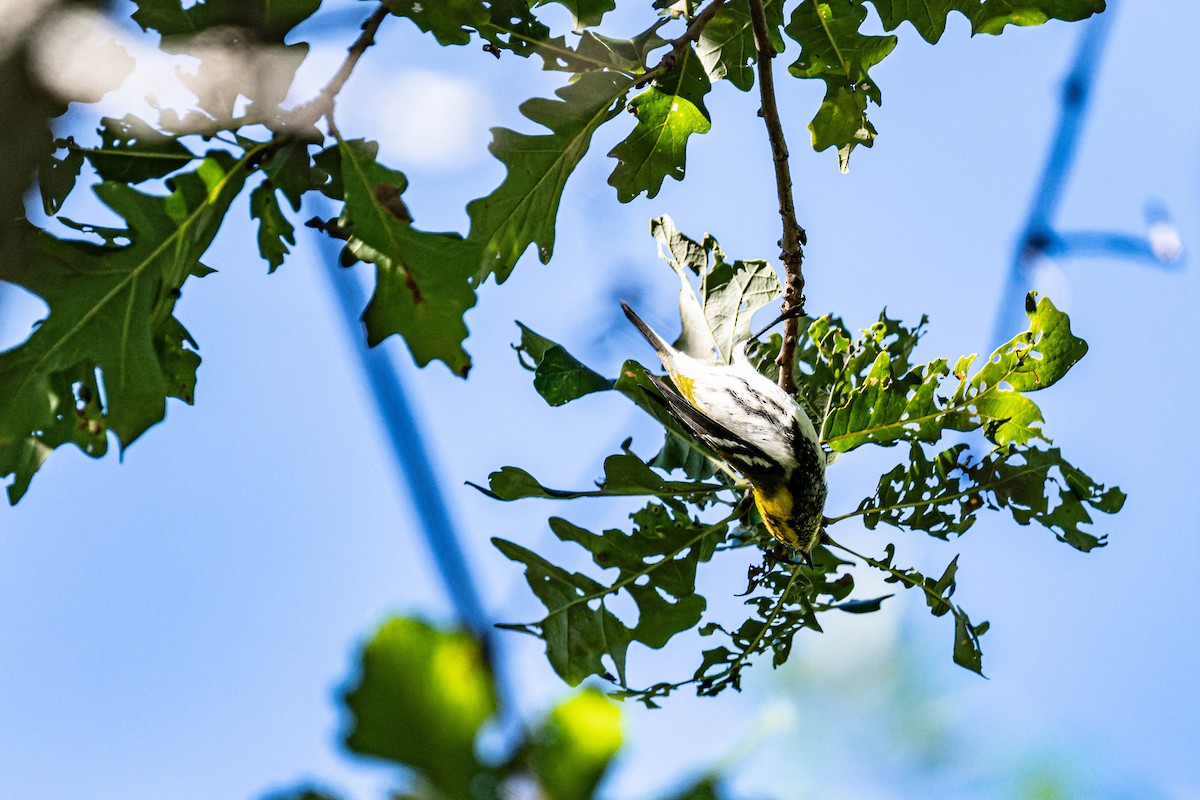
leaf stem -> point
(794, 237)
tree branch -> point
(322, 104)
(690, 36)
(794, 237)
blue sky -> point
(176, 625)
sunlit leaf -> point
(986, 16)
(574, 746)
(667, 113)
(833, 50)
(726, 47)
(420, 698)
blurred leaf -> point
(833, 50)
(670, 111)
(574, 745)
(110, 316)
(271, 21)
(301, 793)
(522, 210)
(420, 700)
(629, 55)
(275, 233)
(656, 566)
(726, 47)
(422, 280)
(558, 376)
(929, 16)
(131, 151)
(450, 21)
(625, 475)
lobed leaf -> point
(726, 46)
(110, 352)
(656, 566)
(275, 232)
(423, 281)
(833, 50)
(667, 113)
(986, 16)
(522, 210)
(450, 21)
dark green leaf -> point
(450, 21)
(57, 176)
(293, 172)
(862, 606)
(573, 747)
(301, 793)
(628, 55)
(726, 46)
(420, 700)
(990, 16)
(669, 112)
(275, 232)
(587, 13)
(656, 566)
(110, 322)
(422, 280)
(558, 376)
(522, 210)
(833, 50)
(941, 496)
(625, 475)
(270, 21)
(131, 151)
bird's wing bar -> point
(744, 456)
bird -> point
(756, 427)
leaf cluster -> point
(111, 351)
(420, 700)
(859, 389)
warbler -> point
(753, 425)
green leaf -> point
(301, 793)
(423, 281)
(450, 21)
(587, 13)
(890, 402)
(596, 50)
(937, 596)
(270, 21)
(275, 232)
(833, 50)
(986, 16)
(110, 330)
(625, 475)
(522, 210)
(131, 151)
(57, 176)
(292, 171)
(726, 47)
(573, 747)
(656, 566)
(420, 700)
(669, 112)
(717, 314)
(942, 496)
(557, 375)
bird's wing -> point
(744, 456)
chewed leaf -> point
(558, 377)
(625, 475)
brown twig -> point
(322, 104)
(691, 35)
(794, 237)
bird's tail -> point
(665, 352)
